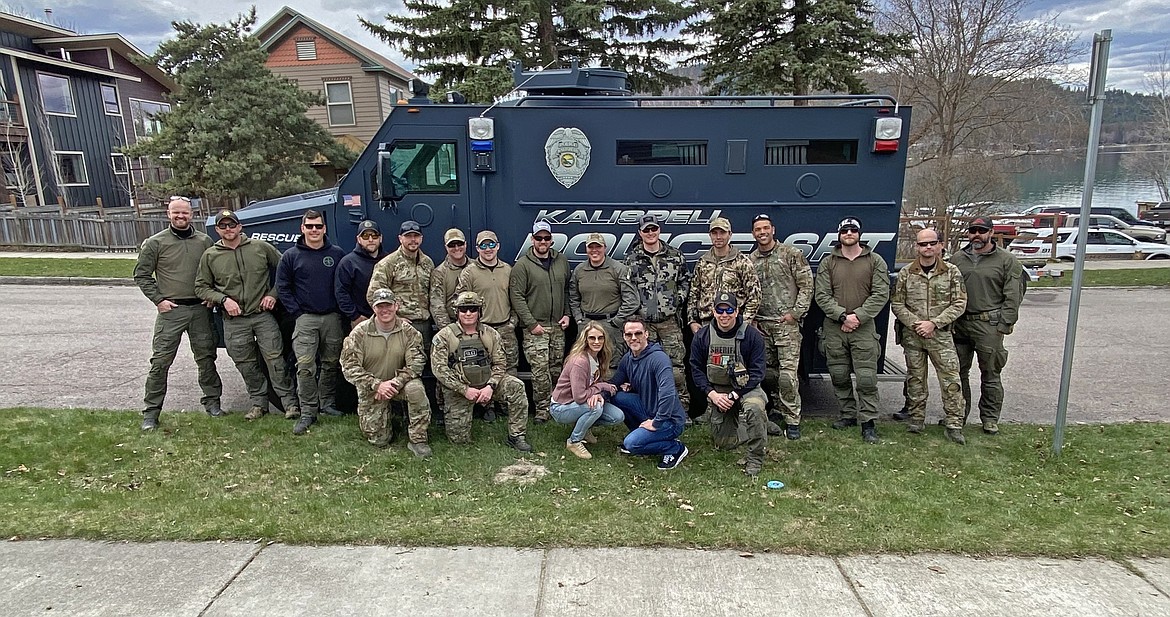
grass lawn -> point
(1136, 277)
(56, 266)
(92, 474)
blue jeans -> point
(664, 440)
(584, 417)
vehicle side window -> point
(1096, 237)
(424, 166)
(1116, 239)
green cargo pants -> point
(169, 327)
(858, 352)
(244, 336)
(317, 344)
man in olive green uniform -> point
(722, 268)
(407, 272)
(660, 275)
(236, 273)
(995, 288)
(928, 297)
(383, 358)
(469, 364)
(538, 285)
(601, 290)
(165, 272)
(852, 286)
(446, 276)
(786, 285)
(490, 277)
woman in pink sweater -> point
(579, 397)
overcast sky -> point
(1141, 28)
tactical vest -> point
(473, 356)
(725, 368)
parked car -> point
(1121, 213)
(1035, 246)
(1159, 215)
(1145, 233)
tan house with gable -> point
(359, 85)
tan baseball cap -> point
(486, 234)
(595, 238)
(453, 234)
(720, 223)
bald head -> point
(179, 213)
(927, 235)
(928, 246)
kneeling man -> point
(648, 398)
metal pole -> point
(1096, 97)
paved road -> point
(89, 346)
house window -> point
(72, 168)
(56, 95)
(307, 49)
(339, 102)
(145, 117)
(118, 164)
(9, 159)
(110, 99)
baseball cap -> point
(383, 296)
(849, 223)
(409, 227)
(980, 221)
(720, 223)
(761, 217)
(453, 235)
(541, 226)
(226, 215)
(726, 298)
(486, 234)
(647, 220)
(368, 225)
(468, 298)
(595, 238)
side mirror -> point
(386, 185)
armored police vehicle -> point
(575, 148)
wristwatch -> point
(841, 319)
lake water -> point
(1060, 180)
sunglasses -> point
(637, 334)
(227, 225)
(313, 225)
(542, 238)
(850, 230)
(978, 230)
(597, 337)
(488, 245)
(468, 309)
(180, 198)
(927, 243)
(456, 243)
(370, 236)
(650, 228)
(724, 310)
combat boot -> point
(213, 409)
(774, 429)
(844, 423)
(792, 432)
(901, 415)
(752, 468)
(292, 413)
(303, 424)
(489, 413)
(518, 442)
(956, 435)
(420, 450)
(150, 421)
(915, 427)
(332, 410)
(868, 432)
(991, 427)
(254, 413)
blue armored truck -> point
(575, 148)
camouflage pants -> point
(940, 351)
(858, 352)
(168, 332)
(670, 335)
(317, 344)
(975, 338)
(545, 354)
(511, 345)
(725, 425)
(510, 393)
(244, 336)
(782, 356)
(374, 415)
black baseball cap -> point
(368, 225)
(409, 227)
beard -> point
(978, 244)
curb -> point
(66, 280)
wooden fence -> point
(89, 228)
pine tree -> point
(235, 129)
(788, 46)
(467, 44)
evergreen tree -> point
(236, 129)
(788, 46)
(467, 44)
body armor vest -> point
(473, 356)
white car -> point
(1035, 246)
(1144, 233)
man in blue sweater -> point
(727, 364)
(354, 271)
(304, 284)
(649, 399)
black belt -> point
(187, 301)
(981, 316)
(651, 321)
(600, 316)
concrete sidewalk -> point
(74, 577)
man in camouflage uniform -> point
(539, 290)
(659, 273)
(490, 277)
(786, 284)
(446, 276)
(600, 290)
(407, 272)
(995, 287)
(165, 272)
(383, 358)
(722, 268)
(928, 297)
(469, 364)
(851, 287)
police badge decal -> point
(567, 154)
